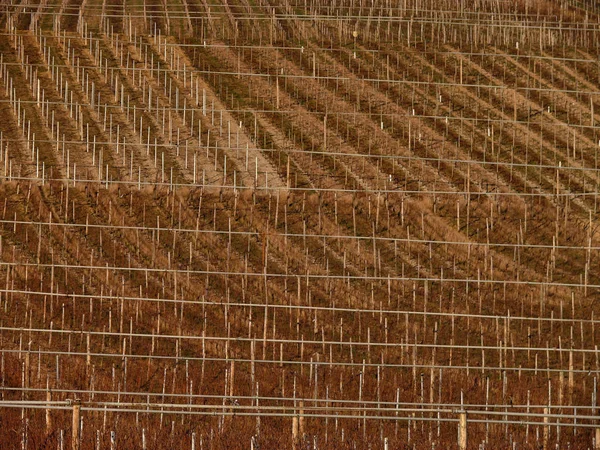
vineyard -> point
(298, 224)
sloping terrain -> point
(240, 224)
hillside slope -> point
(256, 224)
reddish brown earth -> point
(270, 224)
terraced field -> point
(261, 224)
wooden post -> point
(462, 430)
(295, 439)
(571, 378)
(26, 380)
(546, 431)
(76, 423)
(325, 133)
(48, 416)
(88, 359)
(597, 439)
(301, 420)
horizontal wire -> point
(224, 411)
(151, 110)
(418, 406)
(408, 11)
(242, 339)
(312, 308)
(414, 418)
(305, 276)
(521, 25)
(324, 364)
(413, 158)
(308, 410)
(237, 407)
(265, 189)
(389, 81)
(215, 44)
(194, 70)
(372, 238)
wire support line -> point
(308, 410)
(266, 188)
(304, 276)
(324, 364)
(358, 50)
(318, 236)
(491, 23)
(228, 411)
(283, 76)
(310, 342)
(301, 49)
(225, 411)
(417, 406)
(412, 158)
(378, 115)
(373, 81)
(407, 11)
(292, 307)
